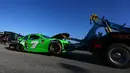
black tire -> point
(118, 55)
(20, 48)
(55, 48)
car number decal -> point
(34, 44)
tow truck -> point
(112, 48)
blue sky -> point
(50, 17)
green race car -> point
(41, 43)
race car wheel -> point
(55, 48)
(20, 48)
(118, 55)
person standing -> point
(9, 39)
(4, 40)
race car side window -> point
(25, 38)
(34, 37)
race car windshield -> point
(45, 36)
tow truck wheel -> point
(118, 55)
(55, 48)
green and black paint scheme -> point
(40, 43)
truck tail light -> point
(97, 46)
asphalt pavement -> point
(76, 62)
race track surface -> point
(77, 62)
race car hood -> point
(61, 36)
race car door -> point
(34, 43)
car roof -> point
(33, 34)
